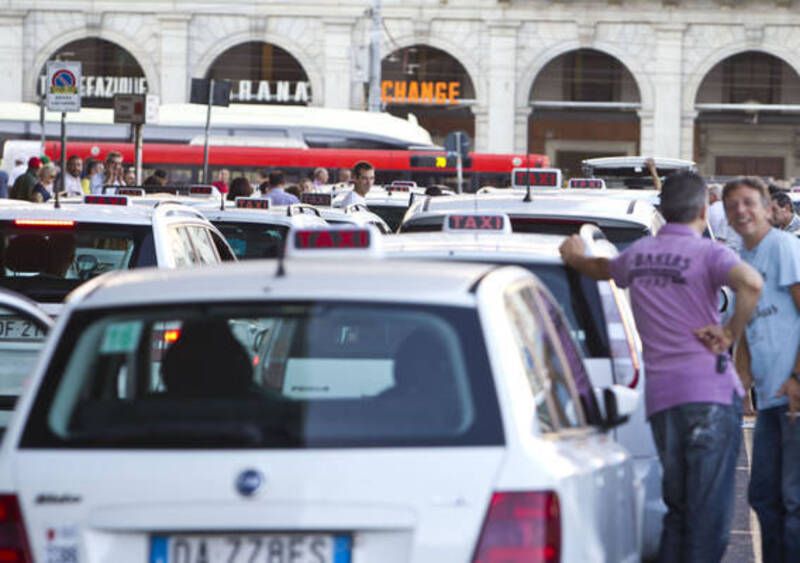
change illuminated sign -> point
(420, 92)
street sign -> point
(130, 108)
(199, 92)
(458, 142)
(63, 86)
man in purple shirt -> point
(693, 395)
(276, 194)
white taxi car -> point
(598, 313)
(355, 215)
(309, 412)
(560, 212)
(46, 252)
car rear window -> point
(253, 240)
(45, 262)
(621, 237)
(392, 214)
(268, 376)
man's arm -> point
(573, 252)
(651, 166)
(746, 282)
(792, 387)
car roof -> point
(363, 279)
(541, 248)
(631, 161)
(89, 213)
(561, 203)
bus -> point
(184, 163)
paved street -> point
(744, 545)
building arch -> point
(709, 62)
(141, 56)
(528, 77)
(207, 59)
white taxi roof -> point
(555, 203)
(93, 213)
(304, 279)
(500, 247)
(637, 161)
(277, 215)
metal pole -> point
(137, 134)
(375, 58)
(208, 130)
(60, 187)
(41, 125)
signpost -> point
(63, 94)
(136, 109)
(458, 143)
(214, 93)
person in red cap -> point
(23, 186)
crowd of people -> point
(695, 387)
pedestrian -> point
(129, 176)
(772, 363)
(93, 168)
(320, 177)
(44, 188)
(3, 184)
(19, 169)
(345, 175)
(223, 177)
(111, 175)
(294, 190)
(364, 177)
(240, 187)
(692, 393)
(783, 215)
(72, 179)
(23, 185)
(276, 194)
(305, 186)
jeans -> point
(698, 444)
(774, 491)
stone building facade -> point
(711, 80)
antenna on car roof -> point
(221, 201)
(281, 271)
(527, 197)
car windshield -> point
(392, 214)
(621, 237)
(271, 376)
(253, 240)
(45, 261)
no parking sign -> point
(63, 86)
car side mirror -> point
(619, 403)
(724, 300)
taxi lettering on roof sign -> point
(130, 191)
(397, 188)
(252, 203)
(201, 190)
(587, 183)
(406, 183)
(105, 199)
(320, 200)
(536, 177)
(336, 241)
(478, 222)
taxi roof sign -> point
(317, 199)
(137, 192)
(334, 242)
(587, 183)
(485, 223)
(105, 199)
(252, 203)
(201, 191)
(536, 177)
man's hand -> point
(572, 249)
(716, 338)
(792, 390)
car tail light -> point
(13, 541)
(43, 223)
(521, 527)
(621, 335)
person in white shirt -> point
(19, 169)
(72, 179)
(364, 177)
(718, 221)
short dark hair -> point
(752, 182)
(276, 178)
(240, 187)
(159, 173)
(264, 187)
(72, 157)
(782, 199)
(360, 166)
(294, 190)
(683, 196)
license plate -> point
(247, 548)
(18, 328)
